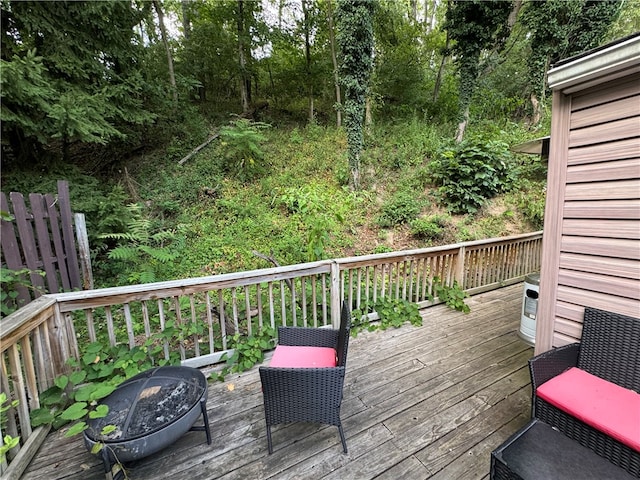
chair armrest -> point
(549, 364)
(308, 336)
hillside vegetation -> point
(283, 193)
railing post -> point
(335, 294)
(458, 274)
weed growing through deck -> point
(247, 351)
(391, 311)
(453, 296)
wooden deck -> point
(428, 402)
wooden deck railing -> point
(204, 313)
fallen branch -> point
(272, 259)
(199, 147)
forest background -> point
(115, 96)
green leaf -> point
(75, 429)
(101, 411)
(97, 447)
(61, 382)
(75, 411)
(78, 377)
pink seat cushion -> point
(603, 405)
(287, 356)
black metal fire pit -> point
(150, 411)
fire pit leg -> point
(112, 470)
(205, 418)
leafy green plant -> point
(452, 295)
(247, 351)
(100, 369)
(471, 172)
(318, 212)
(431, 227)
(401, 208)
(242, 147)
(141, 248)
(9, 281)
(8, 442)
(392, 312)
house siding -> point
(591, 246)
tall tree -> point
(560, 29)
(355, 38)
(167, 47)
(244, 57)
(475, 26)
(334, 61)
(71, 72)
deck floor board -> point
(427, 402)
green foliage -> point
(431, 227)
(355, 39)
(242, 148)
(563, 28)
(142, 248)
(8, 442)
(317, 211)
(247, 351)
(61, 81)
(392, 312)
(475, 26)
(10, 280)
(401, 208)
(452, 295)
(471, 172)
(530, 199)
(100, 369)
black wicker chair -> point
(307, 394)
(609, 349)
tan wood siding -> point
(596, 172)
(611, 209)
(610, 112)
(594, 200)
(602, 228)
(619, 267)
(603, 94)
(603, 190)
(626, 128)
(621, 149)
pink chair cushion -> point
(287, 356)
(603, 405)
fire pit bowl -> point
(150, 411)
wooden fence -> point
(204, 313)
(42, 241)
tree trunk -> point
(462, 126)
(334, 59)
(165, 41)
(368, 117)
(443, 63)
(186, 20)
(430, 14)
(245, 82)
(307, 56)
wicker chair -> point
(609, 349)
(307, 394)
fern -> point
(141, 249)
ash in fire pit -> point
(150, 411)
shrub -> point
(471, 172)
(401, 208)
(431, 227)
(242, 148)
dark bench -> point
(610, 351)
